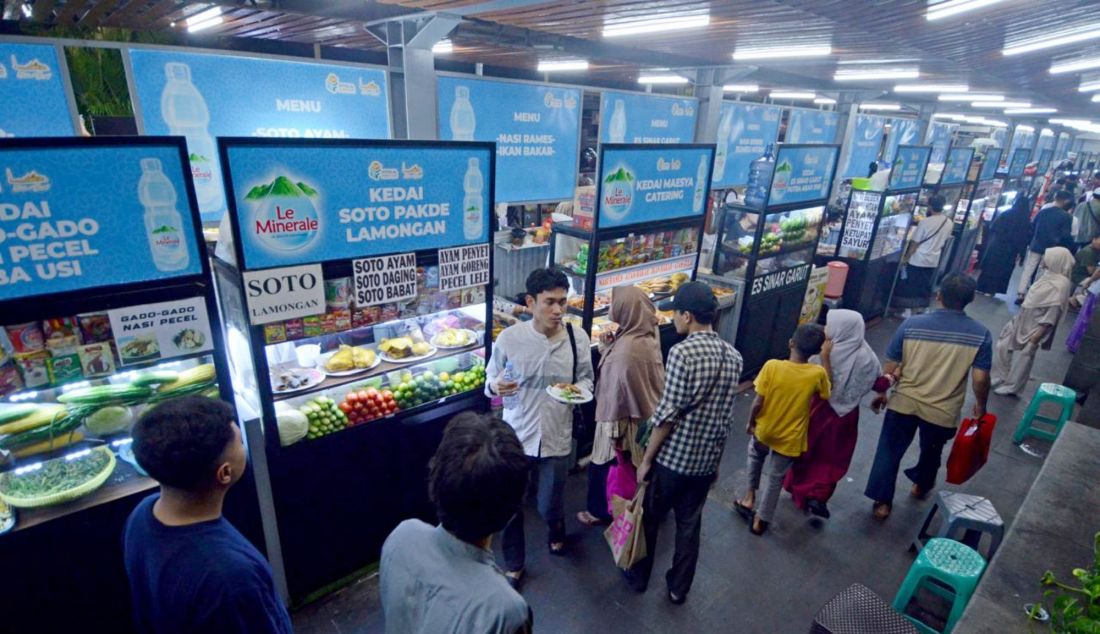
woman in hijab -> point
(631, 378)
(1033, 326)
(834, 424)
(1009, 235)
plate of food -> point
(139, 348)
(189, 339)
(454, 338)
(405, 350)
(295, 380)
(7, 517)
(569, 393)
(347, 360)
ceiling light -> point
(1001, 104)
(1031, 110)
(949, 88)
(28, 11)
(662, 79)
(948, 115)
(972, 97)
(204, 20)
(741, 87)
(1089, 86)
(880, 106)
(654, 25)
(824, 101)
(1025, 128)
(782, 52)
(859, 62)
(443, 47)
(550, 66)
(1079, 34)
(954, 7)
(791, 94)
(1070, 66)
(1096, 99)
(1046, 132)
(863, 75)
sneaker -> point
(1004, 390)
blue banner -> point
(863, 145)
(902, 132)
(910, 162)
(86, 216)
(939, 137)
(300, 203)
(1045, 142)
(202, 96)
(744, 132)
(811, 126)
(32, 94)
(1044, 160)
(536, 129)
(990, 164)
(627, 117)
(1021, 138)
(652, 184)
(1000, 136)
(1020, 159)
(1062, 147)
(957, 165)
(802, 174)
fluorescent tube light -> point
(955, 7)
(948, 88)
(948, 115)
(972, 97)
(550, 66)
(864, 75)
(741, 87)
(1078, 34)
(1070, 66)
(28, 11)
(655, 25)
(1089, 86)
(443, 47)
(791, 94)
(1096, 99)
(782, 52)
(824, 101)
(860, 62)
(204, 20)
(1000, 104)
(1046, 132)
(662, 79)
(880, 106)
(202, 26)
(1031, 110)
(1025, 128)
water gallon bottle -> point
(163, 223)
(185, 113)
(725, 125)
(463, 121)
(700, 186)
(473, 221)
(616, 131)
(760, 179)
(511, 401)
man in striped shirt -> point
(931, 356)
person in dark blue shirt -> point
(1053, 227)
(190, 570)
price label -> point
(463, 267)
(386, 279)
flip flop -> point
(590, 520)
(744, 511)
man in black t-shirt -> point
(189, 569)
(1053, 227)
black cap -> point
(693, 297)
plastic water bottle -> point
(725, 125)
(700, 186)
(511, 401)
(760, 177)
(616, 130)
(163, 223)
(184, 111)
(473, 221)
(463, 121)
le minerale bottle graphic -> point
(163, 223)
(463, 121)
(184, 111)
(725, 125)
(473, 222)
(616, 129)
(700, 186)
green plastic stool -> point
(1047, 392)
(949, 563)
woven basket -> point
(65, 496)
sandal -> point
(742, 510)
(590, 520)
(515, 579)
(556, 549)
(759, 531)
(880, 510)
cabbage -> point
(109, 420)
(293, 426)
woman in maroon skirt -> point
(834, 424)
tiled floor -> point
(749, 584)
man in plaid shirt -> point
(690, 427)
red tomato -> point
(362, 395)
(351, 397)
(345, 407)
(372, 393)
(387, 394)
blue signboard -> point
(32, 94)
(811, 126)
(802, 174)
(939, 137)
(86, 216)
(299, 203)
(1022, 138)
(647, 184)
(201, 96)
(1020, 159)
(1062, 147)
(902, 132)
(957, 165)
(627, 117)
(990, 164)
(1044, 160)
(864, 144)
(536, 129)
(744, 132)
(1000, 136)
(910, 162)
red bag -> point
(970, 449)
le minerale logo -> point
(284, 217)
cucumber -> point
(105, 394)
(15, 411)
(156, 377)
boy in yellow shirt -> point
(780, 418)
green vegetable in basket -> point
(58, 480)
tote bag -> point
(625, 536)
(970, 449)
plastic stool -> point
(971, 513)
(1047, 392)
(857, 610)
(949, 563)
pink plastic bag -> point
(622, 481)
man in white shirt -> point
(540, 353)
(914, 287)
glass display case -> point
(893, 226)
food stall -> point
(983, 190)
(106, 309)
(1017, 181)
(356, 296)
(873, 234)
(953, 182)
(770, 249)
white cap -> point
(177, 71)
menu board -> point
(859, 225)
(744, 132)
(1044, 160)
(903, 131)
(939, 137)
(32, 93)
(910, 163)
(803, 173)
(863, 145)
(628, 117)
(815, 127)
(1019, 162)
(957, 165)
(648, 184)
(990, 164)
